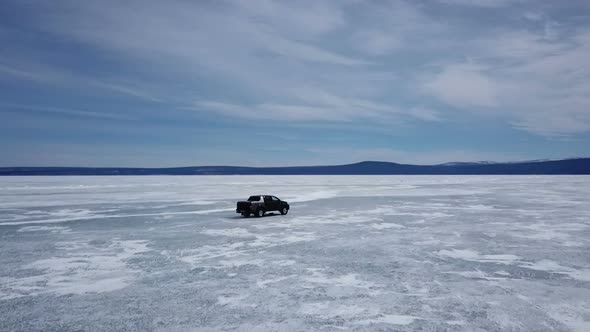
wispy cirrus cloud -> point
(10, 107)
(482, 3)
(48, 75)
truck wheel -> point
(260, 213)
(246, 214)
(284, 211)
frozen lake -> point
(430, 253)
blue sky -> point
(246, 82)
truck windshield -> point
(254, 199)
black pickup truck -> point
(258, 205)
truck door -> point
(268, 203)
(276, 203)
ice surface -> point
(363, 253)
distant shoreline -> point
(577, 166)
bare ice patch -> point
(477, 274)
(59, 216)
(386, 226)
(554, 267)
(237, 262)
(236, 232)
(334, 219)
(574, 316)
(331, 310)
(50, 229)
(387, 210)
(264, 283)
(555, 232)
(312, 196)
(76, 215)
(347, 280)
(231, 300)
(353, 314)
(235, 254)
(82, 269)
(474, 256)
(389, 319)
(542, 265)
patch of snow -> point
(86, 270)
(386, 226)
(471, 255)
(389, 319)
(235, 232)
(51, 229)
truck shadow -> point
(268, 214)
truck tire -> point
(259, 213)
(284, 211)
(246, 214)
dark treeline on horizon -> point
(554, 167)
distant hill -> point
(566, 166)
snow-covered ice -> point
(363, 253)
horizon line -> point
(449, 163)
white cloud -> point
(314, 104)
(481, 3)
(548, 92)
(464, 86)
(426, 114)
(375, 42)
(303, 18)
(533, 16)
(535, 83)
(517, 45)
(554, 125)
